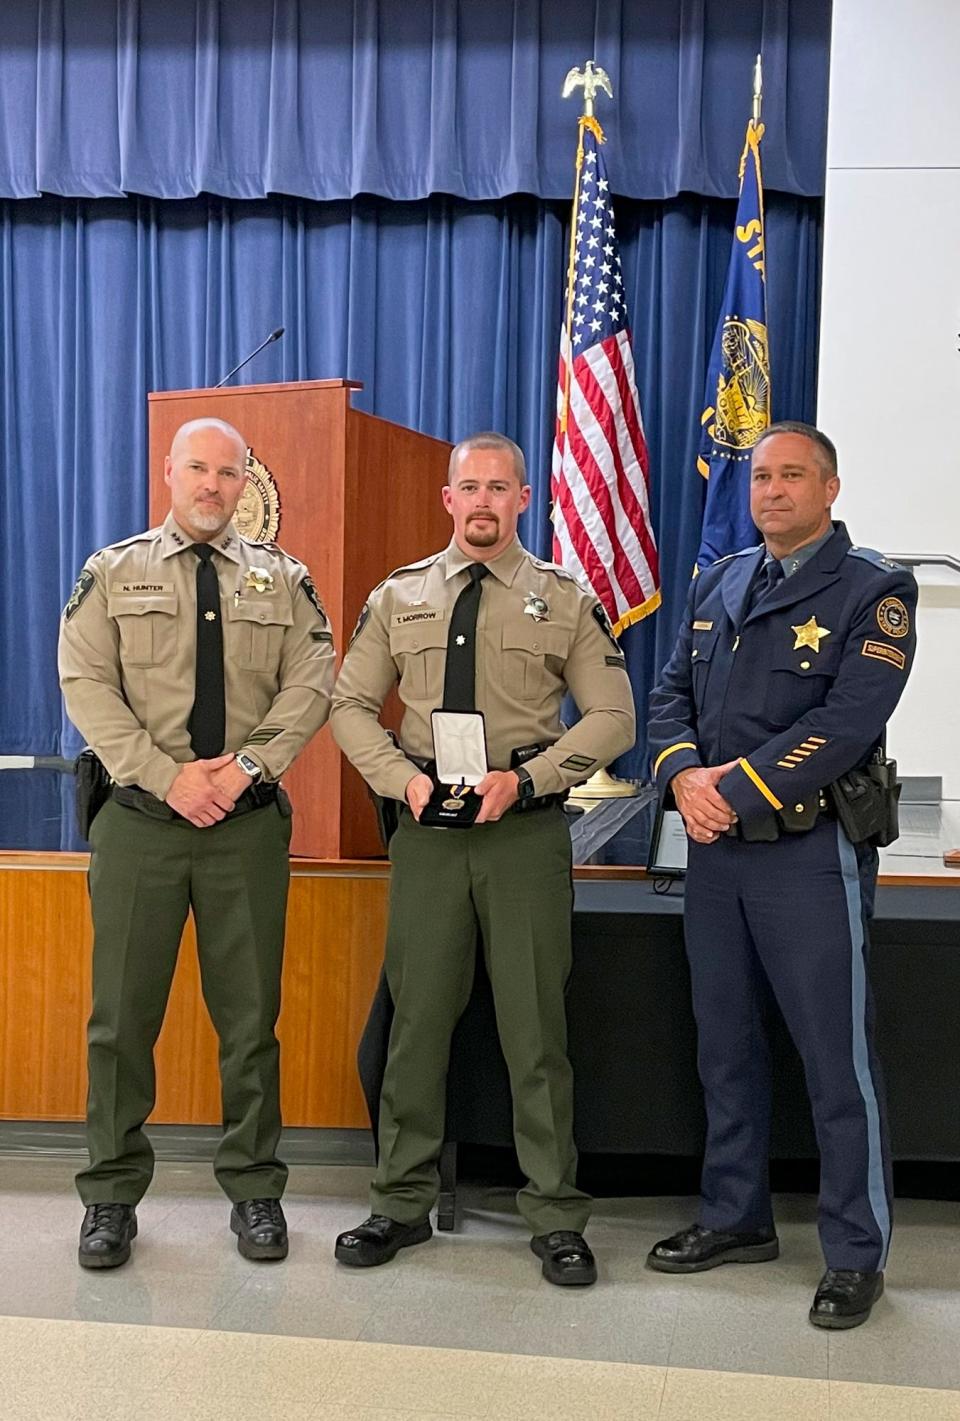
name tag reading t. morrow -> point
(460, 754)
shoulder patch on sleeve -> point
(361, 623)
(599, 614)
(313, 595)
(882, 651)
(81, 589)
(893, 618)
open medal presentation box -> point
(352, 496)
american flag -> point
(600, 474)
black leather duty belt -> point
(133, 797)
(791, 819)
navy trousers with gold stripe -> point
(790, 917)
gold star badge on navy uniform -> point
(809, 634)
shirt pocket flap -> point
(703, 645)
(538, 638)
(270, 611)
(805, 661)
(418, 636)
(138, 604)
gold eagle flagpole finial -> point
(589, 79)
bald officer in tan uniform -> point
(195, 714)
(538, 634)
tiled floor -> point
(462, 1326)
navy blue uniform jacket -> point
(797, 692)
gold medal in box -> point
(460, 756)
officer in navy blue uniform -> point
(789, 662)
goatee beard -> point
(477, 539)
(208, 522)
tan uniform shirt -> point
(524, 668)
(128, 654)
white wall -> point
(889, 379)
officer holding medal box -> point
(483, 641)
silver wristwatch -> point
(249, 767)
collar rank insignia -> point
(536, 608)
(809, 634)
(259, 579)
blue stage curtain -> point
(449, 313)
(330, 99)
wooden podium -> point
(359, 496)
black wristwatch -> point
(249, 767)
(525, 788)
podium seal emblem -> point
(258, 512)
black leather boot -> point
(844, 1298)
(105, 1235)
(261, 1230)
(377, 1240)
(567, 1260)
(696, 1249)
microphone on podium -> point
(274, 335)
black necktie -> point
(460, 673)
(769, 577)
(208, 719)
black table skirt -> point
(633, 1040)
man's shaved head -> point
(489, 440)
(195, 426)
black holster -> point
(867, 801)
(92, 789)
(388, 810)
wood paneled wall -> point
(335, 932)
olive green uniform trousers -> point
(145, 874)
(512, 880)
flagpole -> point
(592, 79)
(571, 268)
(601, 784)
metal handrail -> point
(919, 559)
